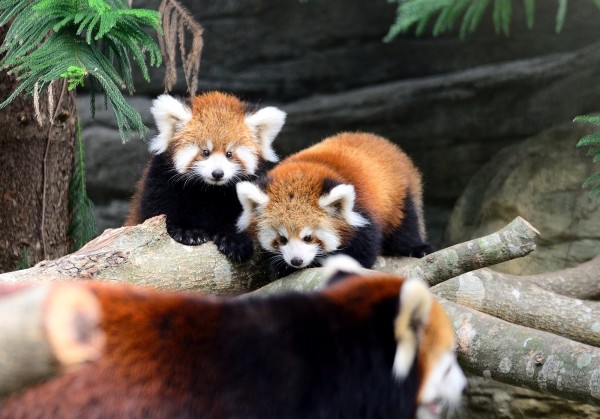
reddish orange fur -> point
(348, 158)
(216, 116)
(359, 293)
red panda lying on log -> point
(203, 148)
(353, 193)
(362, 347)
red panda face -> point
(424, 332)
(295, 219)
(424, 335)
(214, 140)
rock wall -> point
(451, 104)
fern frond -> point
(592, 141)
(83, 226)
(23, 259)
(417, 13)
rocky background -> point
(488, 119)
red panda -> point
(201, 151)
(359, 348)
(353, 193)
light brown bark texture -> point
(45, 330)
(525, 357)
(145, 255)
(36, 164)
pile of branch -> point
(541, 332)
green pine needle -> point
(83, 226)
(79, 40)
(417, 13)
(592, 141)
(23, 259)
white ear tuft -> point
(341, 198)
(266, 124)
(169, 114)
(250, 196)
(415, 306)
(340, 263)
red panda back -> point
(382, 174)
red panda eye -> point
(229, 154)
(282, 240)
(307, 238)
(205, 153)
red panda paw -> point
(236, 246)
(421, 251)
(187, 236)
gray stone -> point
(285, 50)
(540, 180)
(112, 167)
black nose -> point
(296, 261)
(217, 174)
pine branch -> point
(53, 39)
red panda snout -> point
(214, 166)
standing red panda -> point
(377, 347)
(201, 151)
(354, 193)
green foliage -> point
(419, 13)
(23, 259)
(592, 141)
(83, 227)
(76, 39)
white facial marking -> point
(297, 249)
(266, 124)
(209, 145)
(170, 115)
(344, 197)
(184, 157)
(266, 238)
(216, 162)
(250, 196)
(330, 239)
(443, 386)
(248, 157)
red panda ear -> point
(340, 200)
(266, 124)
(415, 307)
(250, 196)
(340, 266)
(170, 115)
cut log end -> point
(72, 323)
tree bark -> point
(525, 357)
(145, 255)
(526, 304)
(45, 330)
(137, 255)
(36, 164)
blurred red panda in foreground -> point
(362, 347)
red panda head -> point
(302, 214)
(424, 335)
(214, 138)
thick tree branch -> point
(513, 241)
(145, 255)
(525, 357)
(518, 301)
(44, 330)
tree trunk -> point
(36, 164)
